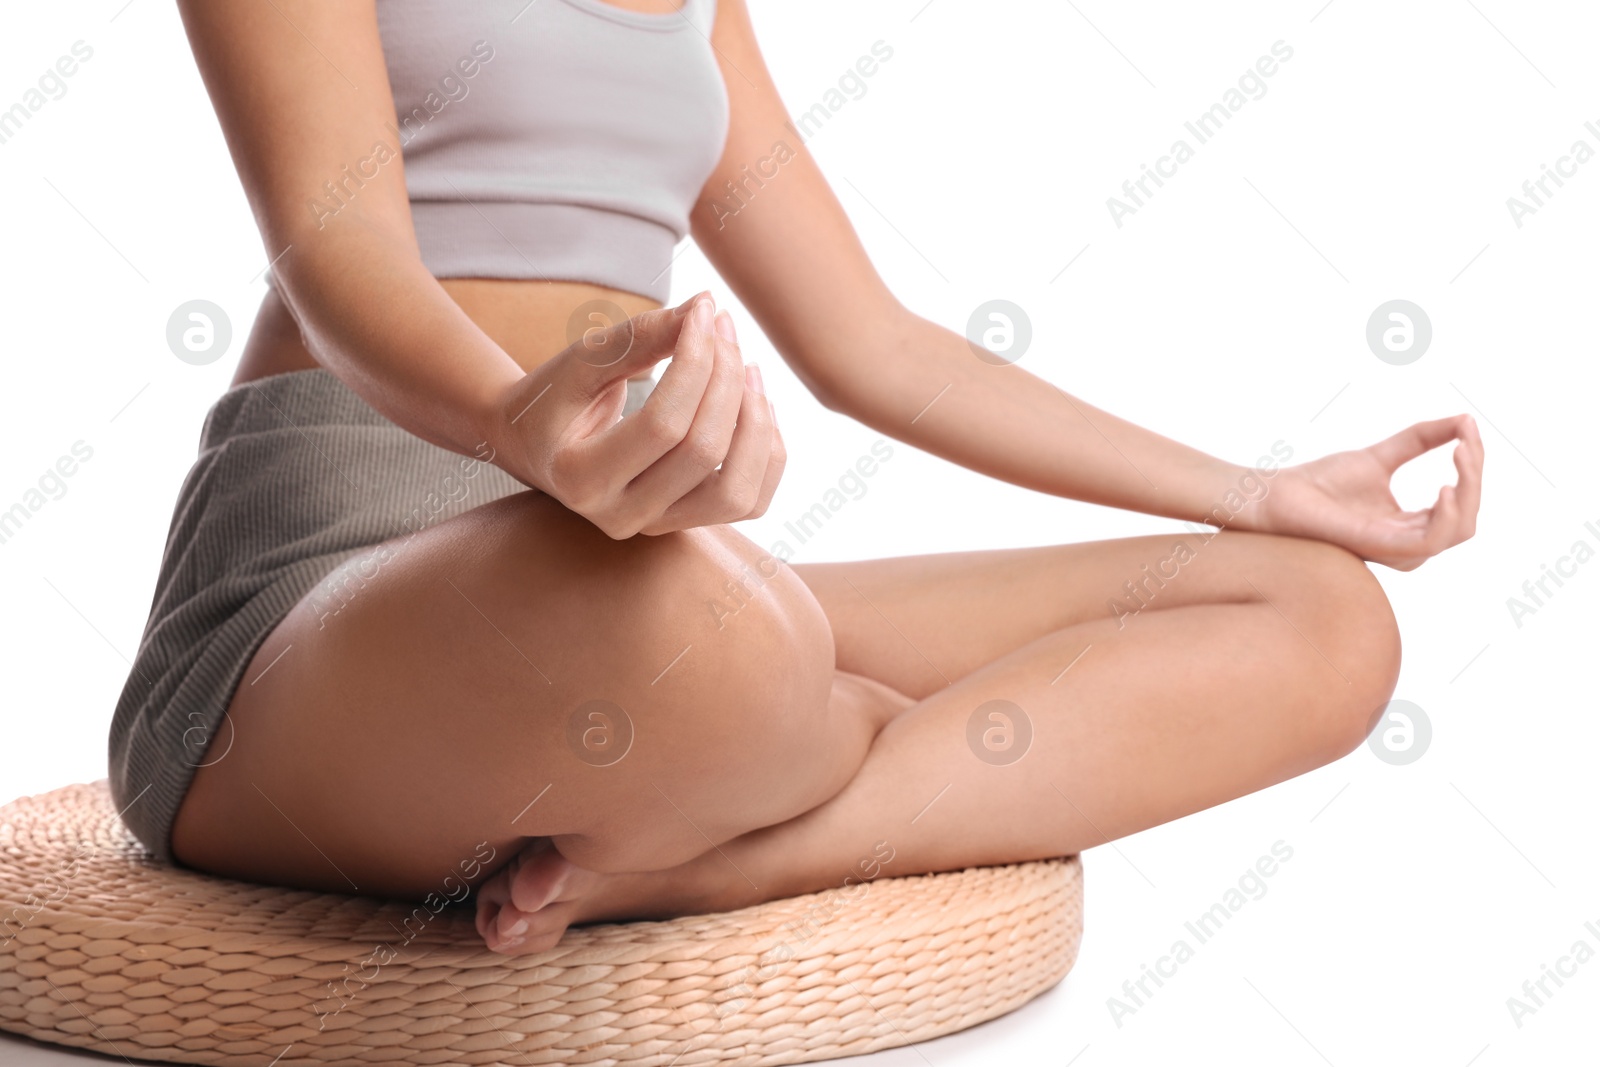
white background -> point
(1229, 312)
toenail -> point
(559, 886)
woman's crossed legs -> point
(693, 727)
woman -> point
(450, 584)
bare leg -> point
(514, 673)
(1264, 658)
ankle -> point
(712, 883)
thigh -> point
(920, 623)
(512, 673)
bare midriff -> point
(531, 320)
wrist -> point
(1267, 515)
(1242, 498)
(495, 417)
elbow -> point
(852, 379)
(825, 388)
(830, 399)
(843, 398)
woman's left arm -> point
(772, 227)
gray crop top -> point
(556, 139)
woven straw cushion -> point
(103, 949)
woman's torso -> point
(531, 319)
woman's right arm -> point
(302, 92)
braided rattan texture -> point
(101, 948)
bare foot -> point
(522, 908)
(529, 903)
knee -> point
(736, 729)
(1349, 618)
(770, 673)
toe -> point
(492, 897)
(541, 878)
(540, 931)
(511, 924)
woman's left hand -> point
(1345, 499)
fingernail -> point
(700, 315)
(683, 308)
(752, 377)
(517, 929)
(725, 327)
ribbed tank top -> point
(553, 139)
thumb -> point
(607, 351)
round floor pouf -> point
(101, 948)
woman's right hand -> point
(703, 449)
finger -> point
(608, 352)
(558, 391)
(695, 458)
(1419, 544)
(1452, 518)
(777, 460)
(1469, 486)
(1472, 433)
(1402, 546)
(1446, 521)
(1413, 441)
(629, 345)
(731, 494)
(626, 449)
